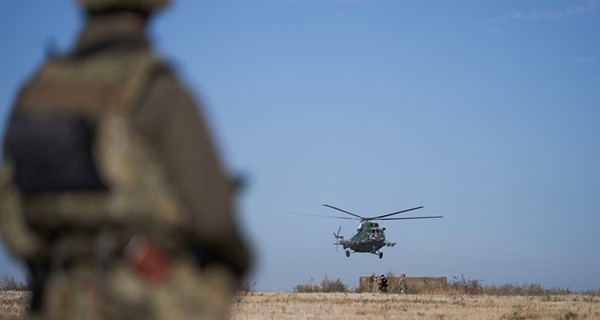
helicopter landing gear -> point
(347, 253)
(380, 255)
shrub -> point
(333, 285)
(307, 287)
(9, 283)
(247, 287)
(327, 285)
(466, 286)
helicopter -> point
(370, 238)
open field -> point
(365, 306)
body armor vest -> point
(75, 156)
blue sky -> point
(485, 112)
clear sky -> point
(486, 112)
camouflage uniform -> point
(177, 252)
(403, 285)
(372, 282)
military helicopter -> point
(369, 237)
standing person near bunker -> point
(383, 283)
(111, 190)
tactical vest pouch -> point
(52, 153)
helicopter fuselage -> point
(369, 238)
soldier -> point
(111, 190)
(372, 282)
(403, 286)
(383, 283)
(377, 284)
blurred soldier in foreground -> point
(111, 190)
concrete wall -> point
(413, 284)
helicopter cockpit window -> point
(375, 234)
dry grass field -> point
(13, 304)
(365, 306)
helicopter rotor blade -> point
(411, 218)
(320, 216)
(395, 213)
(344, 211)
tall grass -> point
(476, 287)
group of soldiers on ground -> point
(381, 283)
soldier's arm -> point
(15, 231)
(174, 124)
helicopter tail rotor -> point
(338, 238)
(337, 235)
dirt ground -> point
(366, 306)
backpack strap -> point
(141, 74)
(88, 87)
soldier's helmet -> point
(133, 5)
